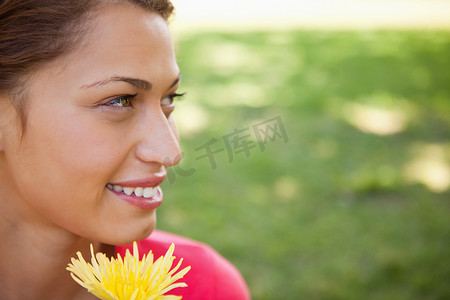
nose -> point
(158, 142)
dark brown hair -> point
(36, 32)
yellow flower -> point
(130, 278)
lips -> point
(145, 193)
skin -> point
(52, 180)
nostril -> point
(172, 161)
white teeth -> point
(117, 188)
(128, 190)
(147, 192)
(139, 191)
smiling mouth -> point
(144, 192)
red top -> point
(211, 277)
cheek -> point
(61, 169)
(65, 154)
(91, 152)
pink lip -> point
(141, 202)
(145, 182)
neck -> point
(34, 257)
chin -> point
(129, 233)
(127, 239)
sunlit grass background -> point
(356, 205)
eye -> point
(168, 100)
(167, 104)
(122, 101)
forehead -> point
(128, 22)
(122, 40)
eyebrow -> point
(138, 83)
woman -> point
(87, 88)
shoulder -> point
(211, 275)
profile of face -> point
(99, 127)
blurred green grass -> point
(336, 212)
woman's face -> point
(98, 119)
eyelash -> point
(132, 98)
(172, 97)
